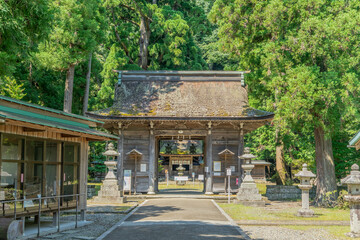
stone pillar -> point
(120, 159)
(152, 173)
(305, 176)
(209, 161)
(353, 183)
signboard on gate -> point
(181, 178)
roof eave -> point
(355, 139)
(131, 118)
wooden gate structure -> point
(153, 105)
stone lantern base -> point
(305, 213)
(109, 193)
(248, 194)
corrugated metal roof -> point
(43, 120)
(47, 109)
(355, 139)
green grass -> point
(240, 212)
(262, 188)
(95, 184)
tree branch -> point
(140, 11)
(119, 38)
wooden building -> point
(44, 152)
(210, 107)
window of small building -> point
(34, 166)
(11, 149)
(71, 168)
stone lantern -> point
(109, 192)
(353, 183)
(305, 175)
(248, 194)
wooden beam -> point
(31, 129)
(66, 135)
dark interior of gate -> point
(181, 157)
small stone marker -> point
(353, 183)
(305, 175)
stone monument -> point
(353, 183)
(180, 170)
(248, 193)
(305, 175)
(109, 192)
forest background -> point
(303, 55)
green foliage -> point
(338, 203)
(302, 58)
(76, 30)
(9, 87)
(96, 159)
(22, 24)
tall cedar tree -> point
(306, 52)
(77, 28)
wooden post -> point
(240, 152)
(135, 172)
(84, 150)
(209, 161)
(151, 161)
(120, 162)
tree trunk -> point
(69, 85)
(86, 95)
(325, 169)
(144, 42)
(280, 164)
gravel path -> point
(283, 233)
(100, 223)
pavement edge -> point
(102, 236)
(232, 222)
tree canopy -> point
(303, 56)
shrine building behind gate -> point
(204, 113)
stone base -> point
(305, 213)
(109, 199)
(248, 194)
(151, 193)
(109, 193)
(209, 193)
(353, 235)
(260, 203)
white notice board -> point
(127, 180)
(217, 166)
(143, 167)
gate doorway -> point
(181, 164)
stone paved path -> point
(176, 219)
